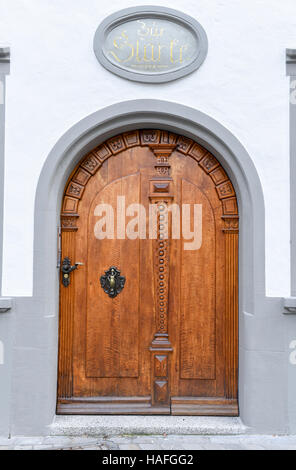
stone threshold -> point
(146, 425)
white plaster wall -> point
(56, 80)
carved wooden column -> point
(69, 216)
(231, 230)
(69, 228)
(161, 194)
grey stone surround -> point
(267, 381)
(5, 304)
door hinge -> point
(59, 245)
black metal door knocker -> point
(112, 283)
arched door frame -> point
(139, 114)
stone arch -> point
(61, 162)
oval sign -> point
(150, 44)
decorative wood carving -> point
(209, 163)
(184, 144)
(131, 139)
(68, 223)
(225, 190)
(116, 144)
(150, 136)
(230, 206)
(91, 164)
(161, 392)
(161, 196)
(231, 323)
(161, 192)
(160, 366)
(162, 143)
(102, 153)
(231, 224)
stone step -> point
(128, 425)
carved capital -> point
(162, 150)
(69, 222)
(231, 224)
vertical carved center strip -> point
(161, 195)
(162, 267)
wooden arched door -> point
(158, 334)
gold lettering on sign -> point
(149, 30)
(150, 46)
(121, 42)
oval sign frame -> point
(150, 12)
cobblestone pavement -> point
(170, 442)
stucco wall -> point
(56, 80)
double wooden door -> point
(148, 320)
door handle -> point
(66, 269)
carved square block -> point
(81, 176)
(91, 163)
(70, 205)
(209, 163)
(116, 144)
(219, 175)
(184, 144)
(225, 190)
(168, 138)
(160, 366)
(197, 152)
(102, 152)
(131, 139)
(159, 186)
(69, 223)
(230, 206)
(161, 395)
(75, 190)
(150, 136)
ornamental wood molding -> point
(162, 143)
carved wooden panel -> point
(161, 392)
(111, 337)
(160, 365)
(198, 294)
